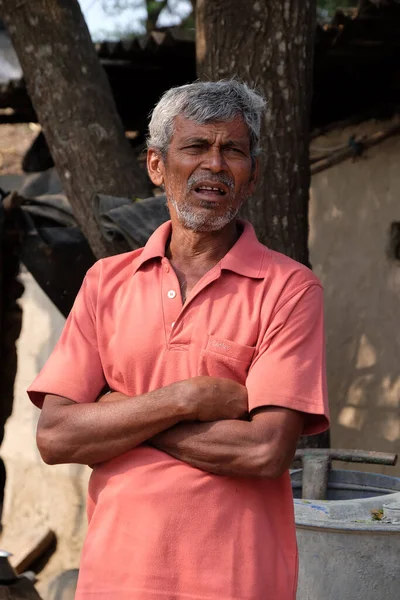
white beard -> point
(201, 221)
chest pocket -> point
(225, 358)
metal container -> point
(349, 544)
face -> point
(207, 173)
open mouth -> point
(210, 191)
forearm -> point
(90, 433)
(261, 447)
(222, 447)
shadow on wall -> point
(352, 207)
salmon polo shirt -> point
(160, 529)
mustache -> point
(197, 178)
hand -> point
(109, 396)
(216, 399)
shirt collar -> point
(247, 257)
(155, 246)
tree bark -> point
(269, 44)
(75, 107)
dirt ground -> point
(15, 140)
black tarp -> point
(53, 247)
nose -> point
(214, 161)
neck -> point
(190, 247)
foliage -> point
(179, 12)
(327, 8)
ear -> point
(155, 167)
(254, 176)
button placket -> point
(172, 305)
(173, 308)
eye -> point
(235, 150)
(194, 148)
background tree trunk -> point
(75, 107)
(269, 44)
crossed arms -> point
(202, 421)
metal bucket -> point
(349, 544)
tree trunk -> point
(269, 44)
(75, 107)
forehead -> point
(234, 130)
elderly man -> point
(213, 347)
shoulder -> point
(118, 266)
(276, 269)
(108, 274)
(287, 271)
(285, 278)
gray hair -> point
(204, 102)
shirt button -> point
(171, 294)
(173, 323)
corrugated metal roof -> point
(161, 44)
(151, 43)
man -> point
(213, 347)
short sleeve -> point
(288, 369)
(74, 368)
